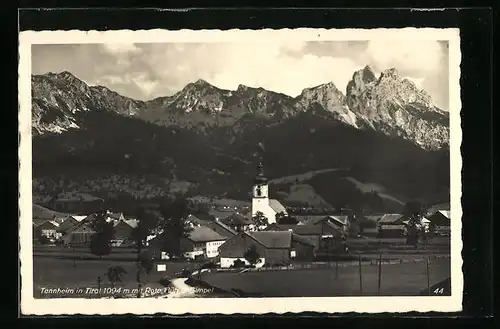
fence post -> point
(428, 278)
(336, 268)
(99, 285)
(360, 278)
(379, 271)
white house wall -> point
(212, 248)
(263, 206)
(228, 262)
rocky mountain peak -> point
(391, 73)
(397, 107)
(389, 104)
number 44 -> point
(438, 291)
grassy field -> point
(57, 267)
(49, 272)
(406, 279)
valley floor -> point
(403, 272)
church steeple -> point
(259, 177)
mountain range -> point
(385, 131)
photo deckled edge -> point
(31, 306)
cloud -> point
(121, 48)
(146, 71)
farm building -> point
(81, 233)
(123, 232)
(49, 229)
(391, 226)
(202, 242)
(273, 247)
(440, 222)
(324, 237)
(68, 223)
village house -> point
(66, 225)
(337, 223)
(391, 226)
(326, 238)
(48, 229)
(76, 203)
(439, 222)
(81, 233)
(273, 247)
(202, 242)
(123, 232)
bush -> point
(238, 263)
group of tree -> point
(101, 242)
(414, 211)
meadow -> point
(404, 279)
(53, 273)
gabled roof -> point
(205, 234)
(391, 219)
(40, 212)
(68, 224)
(393, 227)
(273, 239)
(373, 217)
(49, 224)
(313, 220)
(131, 222)
(297, 229)
(216, 225)
(277, 239)
(79, 218)
(439, 218)
(445, 213)
(276, 206)
(341, 220)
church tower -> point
(260, 186)
(260, 194)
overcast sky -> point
(146, 71)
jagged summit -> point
(388, 103)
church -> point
(260, 198)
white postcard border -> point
(69, 306)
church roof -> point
(276, 206)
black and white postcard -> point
(268, 171)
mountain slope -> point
(390, 104)
(202, 140)
(396, 107)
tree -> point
(173, 224)
(252, 255)
(414, 229)
(115, 274)
(281, 218)
(146, 223)
(259, 219)
(100, 244)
